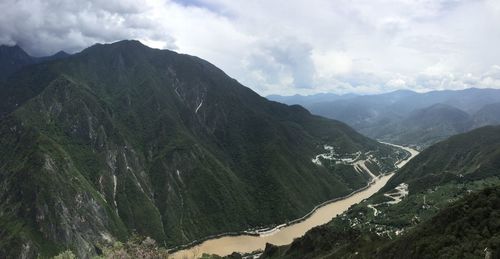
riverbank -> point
(269, 231)
(252, 240)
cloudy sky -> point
(286, 46)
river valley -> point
(284, 235)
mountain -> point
(386, 116)
(468, 228)
(59, 55)
(443, 203)
(363, 112)
(427, 125)
(469, 100)
(13, 58)
(466, 157)
(488, 115)
(121, 139)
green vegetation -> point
(65, 255)
(464, 229)
(451, 211)
(121, 138)
(135, 248)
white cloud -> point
(396, 83)
(331, 63)
(285, 46)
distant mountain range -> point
(449, 207)
(406, 117)
(121, 139)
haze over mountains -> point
(406, 117)
(121, 139)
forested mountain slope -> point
(121, 138)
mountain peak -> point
(10, 47)
(128, 43)
(122, 44)
(12, 50)
(12, 58)
(132, 50)
(61, 53)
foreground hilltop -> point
(121, 139)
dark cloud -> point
(45, 27)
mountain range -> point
(406, 117)
(122, 139)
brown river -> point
(245, 243)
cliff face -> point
(122, 139)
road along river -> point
(281, 236)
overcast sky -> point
(286, 46)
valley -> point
(121, 140)
(286, 233)
(217, 129)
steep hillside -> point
(488, 115)
(421, 212)
(122, 139)
(467, 228)
(426, 126)
(470, 156)
(13, 58)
